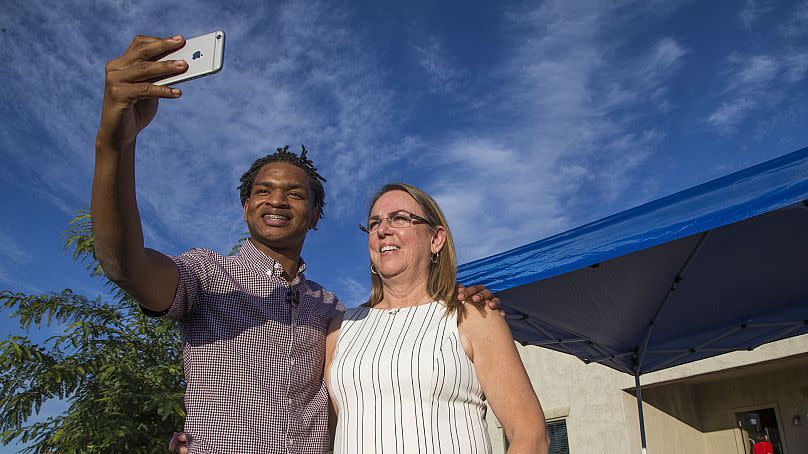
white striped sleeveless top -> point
(403, 383)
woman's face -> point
(404, 252)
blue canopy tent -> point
(716, 268)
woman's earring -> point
(373, 269)
(435, 257)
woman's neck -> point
(404, 294)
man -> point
(253, 326)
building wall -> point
(588, 397)
(708, 403)
(689, 408)
(786, 390)
(665, 434)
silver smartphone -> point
(204, 55)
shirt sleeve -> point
(193, 270)
(337, 307)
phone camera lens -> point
(218, 36)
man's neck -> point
(288, 258)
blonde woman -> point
(409, 372)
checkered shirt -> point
(253, 353)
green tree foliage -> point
(120, 371)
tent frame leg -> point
(638, 393)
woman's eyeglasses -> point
(399, 220)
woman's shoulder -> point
(477, 313)
(480, 321)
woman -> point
(408, 372)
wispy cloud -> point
(758, 82)
(12, 256)
(295, 73)
(432, 59)
(755, 71)
(727, 116)
(11, 250)
(572, 128)
(753, 10)
(353, 292)
(797, 25)
(755, 82)
(795, 67)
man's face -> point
(280, 209)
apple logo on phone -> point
(197, 54)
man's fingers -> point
(177, 443)
(132, 53)
(484, 294)
(182, 446)
(155, 49)
(151, 48)
(461, 292)
(494, 303)
(150, 70)
(172, 444)
(138, 40)
(126, 95)
(478, 293)
(132, 92)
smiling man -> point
(253, 327)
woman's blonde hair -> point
(442, 283)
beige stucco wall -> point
(708, 402)
(587, 396)
(688, 409)
(665, 434)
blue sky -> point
(523, 119)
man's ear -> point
(438, 239)
(244, 210)
(315, 216)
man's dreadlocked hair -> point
(284, 155)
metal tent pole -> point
(638, 392)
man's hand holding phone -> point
(130, 97)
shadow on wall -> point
(711, 402)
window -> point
(557, 433)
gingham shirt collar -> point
(265, 264)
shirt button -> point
(291, 442)
(290, 401)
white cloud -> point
(753, 83)
(752, 11)
(757, 83)
(796, 66)
(294, 73)
(797, 25)
(11, 250)
(665, 55)
(431, 57)
(12, 258)
(756, 70)
(354, 293)
(730, 113)
(571, 111)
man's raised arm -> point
(130, 103)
